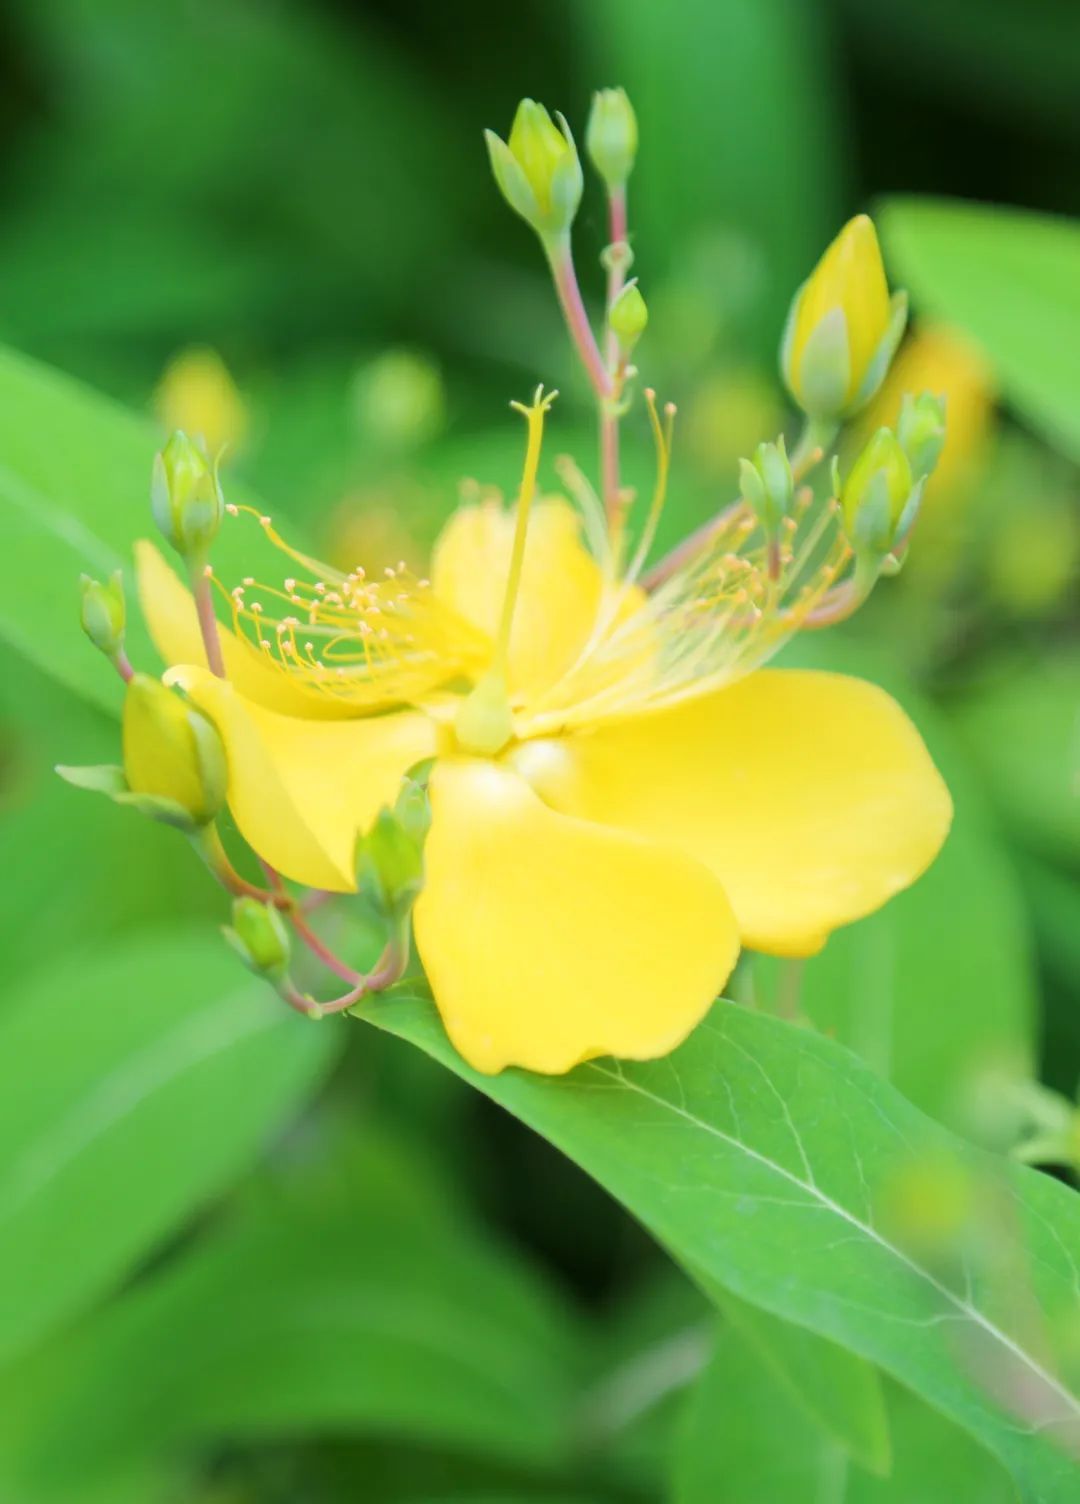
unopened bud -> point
(880, 497)
(172, 753)
(768, 484)
(537, 170)
(611, 136)
(628, 317)
(390, 858)
(185, 497)
(921, 431)
(103, 613)
(260, 938)
(843, 328)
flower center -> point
(548, 766)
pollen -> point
(370, 644)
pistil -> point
(484, 722)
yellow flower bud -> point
(880, 497)
(185, 497)
(198, 395)
(171, 751)
(629, 316)
(537, 170)
(611, 136)
(843, 328)
(103, 613)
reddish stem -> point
(319, 948)
(609, 421)
(577, 320)
(208, 626)
(388, 970)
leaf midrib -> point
(827, 1203)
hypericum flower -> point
(621, 795)
(843, 328)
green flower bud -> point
(103, 613)
(260, 938)
(768, 484)
(921, 431)
(172, 752)
(880, 497)
(537, 170)
(611, 136)
(628, 317)
(390, 858)
(185, 497)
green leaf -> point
(74, 495)
(743, 1439)
(356, 1301)
(1021, 726)
(134, 1084)
(949, 960)
(838, 1390)
(769, 1158)
(1012, 280)
(118, 872)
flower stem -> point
(208, 626)
(388, 969)
(814, 441)
(207, 843)
(122, 664)
(320, 949)
(561, 260)
(609, 418)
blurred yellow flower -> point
(197, 395)
(620, 795)
(843, 327)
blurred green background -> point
(427, 1291)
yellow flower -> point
(843, 327)
(620, 796)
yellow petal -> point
(169, 613)
(561, 585)
(810, 795)
(301, 791)
(548, 940)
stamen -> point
(370, 645)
